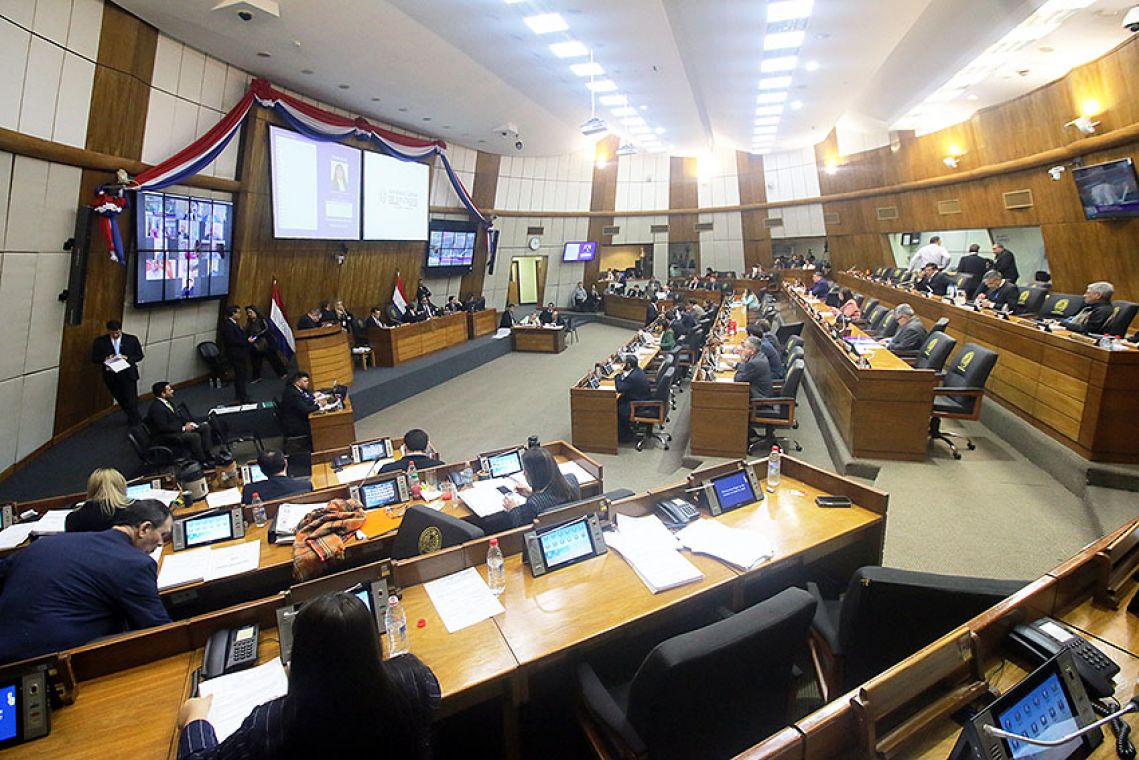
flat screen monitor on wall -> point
(395, 198)
(185, 245)
(579, 251)
(316, 187)
(1109, 190)
(451, 245)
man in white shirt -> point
(933, 253)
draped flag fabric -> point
(399, 295)
(107, 207)
(279, 324)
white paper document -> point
(579, 472)
(117, 364)
(743, 548)
(355, 472)
(483, 497)
(646, 533)
(230, 497)
(51, 521)
(463, 599)
(289, 516)
(12, 537)
(163, 495)
(231, 560)
(183, 567)
(660, 569)
(235, 695)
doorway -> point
(527, 280)
(635, 260)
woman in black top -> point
(263, 347)
(106, 493)
(546, 487)
(343, 701)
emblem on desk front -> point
(430, 540)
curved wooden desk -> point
(396, 345)
(323, 352)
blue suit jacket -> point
(275, 487)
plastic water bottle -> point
(395, 623)
(495, 568)
(773, 469)
(259, 516)
(413, 480)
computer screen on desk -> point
(370, 451)
(505, 464)
(733, 490)
(381, 494)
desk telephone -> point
(1044, 638)
(229, 650)
(676, 512)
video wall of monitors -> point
(185, 246)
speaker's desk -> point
(396, 345)
(333, 429)
(542, 340)
(593, 411)
(480, 323)
(881, 411)
(1083, 396)
(324, 353)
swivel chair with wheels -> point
(961, 393)
(770, 414)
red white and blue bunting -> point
(305, 118)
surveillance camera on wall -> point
(1056, 172)
(508, 131)
(1131, 19)
(518, 145)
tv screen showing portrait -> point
(451, 244)
(579, 251)
(396, 196)
(1109, 190)
(184, 245)
(316, 187)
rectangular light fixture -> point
(782, 63)
(637, 120)
(784, 40)
(769, 110)
(571, 49)
(587, 69)
(764, 98)
(602, 85)
(774, 83)
(614, 100)
(788, 10)
(639, 129)
(763, 121)
(544, 23)
(765, 129)
(624, 111)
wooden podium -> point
(323, 352)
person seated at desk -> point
(106, 494)
(697, 311)
(996, 292)
(546, 316)
(421, 312)
(328, 314)
(911, 332)
(375, 318)
(66, 590)
(556, 319)
(849, 308)
(754, 369)
(755, 272)
(416, 448)
(668, 336)
(546, 487)
(452, 306)
(343, 316)
(310, 320)
(1096, 312)
(762, 330)
(169, 426)
(750, 302)
(819, 286)
(651, 311)
(507, 320)
(343, 699)
(297, 403)
(933, 281)
(277, 484)
(678, 324)
(632, 385)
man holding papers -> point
(66, 590)
(120, 353)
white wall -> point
(789, 176)
(718, 184)
(642, 183)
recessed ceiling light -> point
(644, 108)
(375, 100)
(972, 96)
(788, 10)
(769, 110)
(306, 71)
(796, 105)
(774, 83)
(659, 130)
(264, 54)
(783, 40)
(587, 69)
(633, 120)
(344, 86)
(614, 100)
(571, 49)
(624, 111)
(764, 120)
(765, 130)
(544, 23)
(782, 63)
(427, 118)
(771, 97)
(812, 66)
(604, 85)
(822, 36)
(403, 110)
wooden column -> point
(483, 194)
(753, 189)
(603, 197)
(684, 192)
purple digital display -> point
(316, 187)
(579, 251)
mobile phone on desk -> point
(832, 502)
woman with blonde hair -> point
(106, 494)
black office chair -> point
(869, 306)
(770, 414)
(156, 457)
(211, 355)
(1122, 314)
(1061, 306)
(966, 283)
(793, 355)
(648, 416)
(393, 315)
(1029, 301)
(873, 318)
(244, 446)
(935, 351)
(785, 331)
(832, 298)
(887, 327)
(859, 299)
(886, 615)
(711, 692)
(791, 343)
(424, 530)
(961, 393)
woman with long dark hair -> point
(546, 487)
(343, 700)
(263, 345)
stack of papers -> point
(235, 695)
(579, 472)
(653, 552)
(163, 495)
(230, 497)
(51, 522)
(208, 563)
(288, 517)
(742, 548)
(463, 599)
(483, 497)
(356, 472)
(12, 537)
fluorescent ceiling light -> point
(771, 97)
(571, 49)
(762, 121)
(783, 40)
(633, 120)
(796, 105)
(624, 111)
(603, 85)
(774, 83)
(614, 100)
(769, 110)
(544, 23)
(659, 130)
(812, 66)
(587, 69)
(639, 129)
(788, 10)
(514, 2)
(783, 63)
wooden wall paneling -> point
(753, 189)
(684, 192)
(116, 124)
(602, 197)
(483, 194)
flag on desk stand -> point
(399, 295)
(279, 324)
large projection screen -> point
(395, 198)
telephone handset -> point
(1043, 638)
(229, 650)
(676, 512)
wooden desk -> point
(324, 353)
(1081, 395)
(882, 412)
(593, 411)
(542, 340)
(721, 407)
(333, 430)
(481, 323)
(396, 345)
(631, 309)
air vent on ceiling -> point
(612, 229)
(1018, 199)
(951, 206)
(658, 229)
(704, 226)
(535, 230)
(886, 213)
(775, 221)
(831, 217)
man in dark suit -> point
(310, 320)
(973, 264)
(651, 312)
(546, 316)
(1005, 263)
(66, 590)
(123, 384)
(996, 292)
(168, 426)
(236, 346)
(754, 369)
(911, 332)
(417, 449)
(276, 484)
(375, 318)
(819, 286)
(297, 403)
(933, 281)
(1097, 310)
(632, 385)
